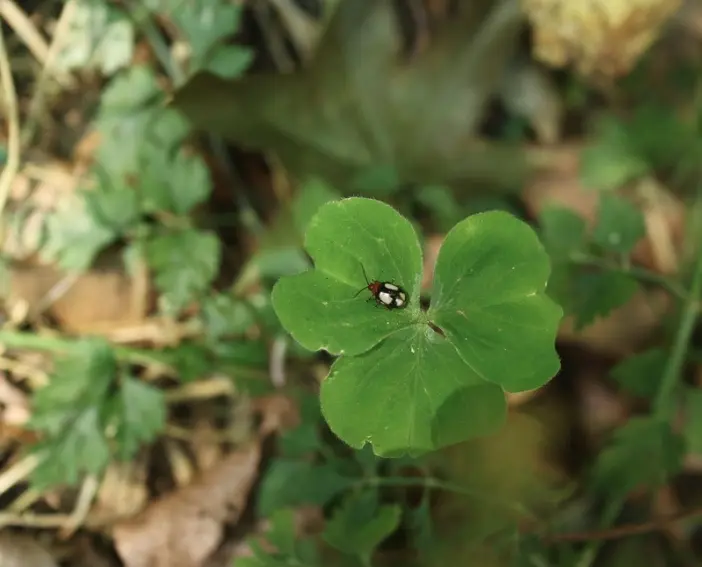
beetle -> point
(386, 294)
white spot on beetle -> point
(385, 297)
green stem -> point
(641, 274)
(432, 483)
(32, 341)
(143, 20)
(664, 404)
(590, 551)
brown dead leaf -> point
(98, 299)
(34, 193)
(603, 39)
(558, 183)
(184, 528)
(122, 494)
(14, 406)
(20, 550)
(278, 413)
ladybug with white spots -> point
(386, 294)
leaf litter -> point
(186, 526)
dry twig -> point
(9, 96)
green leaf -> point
(192, 361)
(128, 108)
(223, 316)
(359, 525)
(230, 62)
(377, 181)
(301, 441)
(613, 159)
(643, 453)
(345, 238)
(174, 184)
(98, 37)
(489, 299)
(311, 196)
(67, 413)
(139, 415)
(693, 422)
(443, 205)
(562, 230)
(292, 483)
(412, 394)
(370, 112)
(75, 237)
(597, 294)
(282, 533)
(408, 383)
(205, 24)
(184, 263)
(641, 374)
(619, 226)
(81, 449)
(421, 525)
(115, 208)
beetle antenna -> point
(366, 278)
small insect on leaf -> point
(386, 294)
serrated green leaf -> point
(641, 374)
(192, 361)
(80, 379)
(98, 37)
(562, 230)
(620, 225)
(693, 420)
(74, 237)
(597, 294)
(489, 299)
(129, 91)
(174, 184)
(205, 24)
(128, 107)
(81, 449)
(67, 413)
(117, 209)
(223, 315)
(643, 453)
(230, 62)
(184, 265)
(138, 414)
(291, 483)
(360, 525)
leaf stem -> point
(56, 344)
(664, 404)
(641, 274)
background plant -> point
(245, 185)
